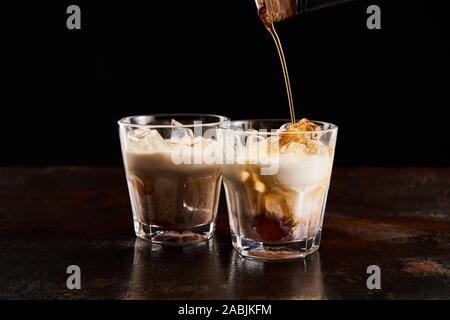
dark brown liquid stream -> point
(271, 28)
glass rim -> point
(333, 127)
(125, 120)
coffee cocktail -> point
(173, 179)
(276, 181)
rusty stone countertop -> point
(53, 217)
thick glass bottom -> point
(276, 251)
(164, 236)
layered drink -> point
(276, 182)
(173, 180)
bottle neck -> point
(304, 6)
(278, 10)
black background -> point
(64, 90)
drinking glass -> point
(276, 186)
(173, 179)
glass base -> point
(164, 236)
(276, 251)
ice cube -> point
(211, 152)
(284, 127)
(280, 203)
(198, 198)
(234, 147)
(146, 140)
(301, 132)
(138, 134)
(293, 148)
(309, 210)
(260, 187)
(176, 123)
(255, 148)
(154, 142)
(244, 176)
(199, 140)
(275, 205)
(273, 145)
(181, 135)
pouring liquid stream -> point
(271, 28)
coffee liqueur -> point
(268, 23)
(271, 11)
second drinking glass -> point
(173, 179)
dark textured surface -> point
(396, 218)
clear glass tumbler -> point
(276, 185)
(173, 178)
